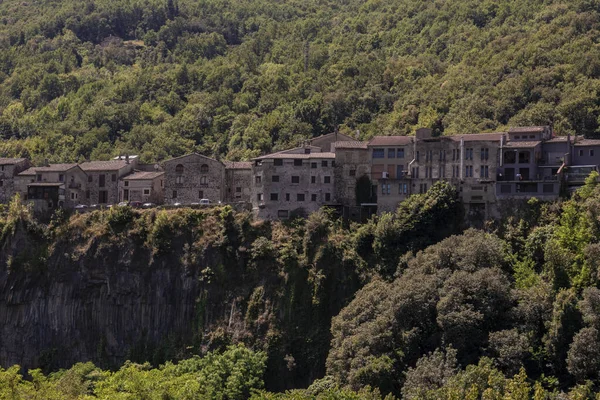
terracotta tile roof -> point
(558, 139)
(517, 144)
(50, 168)
(296, 156)
(473, 137)
(587, 142)
(238, 164)
(349, 145)
(143, 176)
(111, 165)
(527, 129)
(189, 155)
(11, 161)
(390, 141)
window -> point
(275, 178)
(469, 154)
(453, 154)
(87, 194)
(282, 213)
(73, 196)
(295, 179)
(258, 179)
(327, 196)
(259, 197)
(200, 194)
(297, 162)
(327, 179)
(38, 177)
(114, 177)
(484, 173)
(1, 183)
(239, 189)
(386, 188)
(324, 163)
(313, 197)
(415, 172)
(426, 172)
(126, 183)
(524, 157)
(274, 196)
(204, 169)
(90, 178)
(468, 171)
(417, 157)
(313, 165)
(174, 194)
(591, 153)
(352, 172)
(300, 197)
(306, 151)
(179, 179)
(101, 180)
(422, 188)
(400, 153)
(402, 188)
(203, 180)
(146, 191)
(61, 177)
(517, 137)
(510, 157)
(287, 197)
(179, 169)
(378, 153)
(485, 153)
(278, 162)
(391, 153)
(313, 179)
(443, 171)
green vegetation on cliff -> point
(164, 77)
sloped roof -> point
(349, 145)
(49, 168)
(143, 176)
(527, 129)
(191, 155)
(11, 161)
(296, 156)
(238, 164)
(112, 165)
(522, 144)
(390, 141)
(587, 142)
(473, 137)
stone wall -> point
(193, 177)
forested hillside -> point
(394, 308)
(90, 79)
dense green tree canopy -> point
(164, 77)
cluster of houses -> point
(355, 177)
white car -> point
(204, 202)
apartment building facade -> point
(193, 177)
(102, 186)
(143, 186)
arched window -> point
(204, 169)
(179, 169)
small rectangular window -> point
(239, 189)
(378, 153)
(259, 197)
(200, 194)
(352, 172)
(39, 177)
(324, 163)
(275, 178)
(313, 197)
(114, 177)
(580, 153)
(287, 197)
(126, 183)
(295, 179)
(174, 194)
(313, 165)
(274, 196)
(278, 162)
(400, 153)
(591, 153)
(327, 179)
(297, 162)
(313, 179)
(61, 177)
(327, 196)
(258, 178)
(391, 153)
(300, 197)
(146, 191)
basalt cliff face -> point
(158, 285)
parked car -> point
(148, 205)
(135, 204)
(81, 207)
(123, 204)
(205, 202)
(177, 204)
